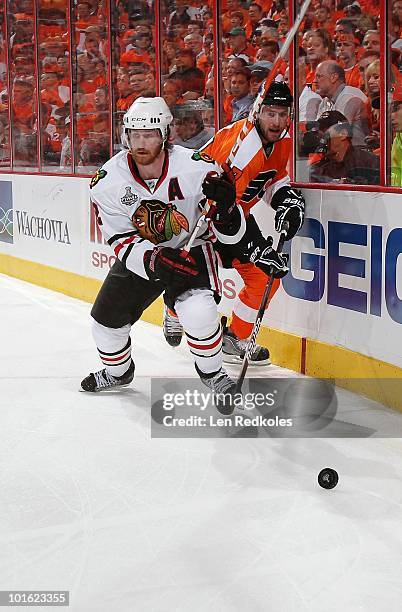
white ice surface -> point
(91, 504)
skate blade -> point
(237, 360)
(171, 342)
(106, 390)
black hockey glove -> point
(289, 206)
(169, 265)
(269, 261)
(223, 193)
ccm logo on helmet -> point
(150, 119)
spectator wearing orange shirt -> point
(346, 54)
(49, 93)
(232, 5)
(318, 50)
(88, 113)
(125, 90)
(99, 67)
(24, 65)
(323, 18)
(25, 132)
(63, 71)
(371, 7)
(139, 50)
(344, 27)
(51, 48)
(195, 42)
(237, 20)
(266, 6)
(138, 83)
(332, 7)
(255, 14)
(172, 93)
(23, 106)
(366, 59)
(191, 78)
(84, 17)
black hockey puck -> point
(328, 478)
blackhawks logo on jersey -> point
(100, 174)
(200, 156)
(158, 222)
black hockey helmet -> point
(278, 94)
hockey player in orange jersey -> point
(259, 171)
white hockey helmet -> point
(147, 114)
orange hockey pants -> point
(249, 299)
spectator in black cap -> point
(313, 141)
(258, 74)
(343, 162)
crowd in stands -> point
(337, 78)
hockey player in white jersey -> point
(147, 199)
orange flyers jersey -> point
(253, 171)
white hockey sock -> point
(114, 347)
(207, 352)
(198, 315)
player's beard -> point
(145, 156)
(271, 136)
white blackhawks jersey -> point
(136, 215)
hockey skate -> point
(223, 386)
(172, 329)
(233, 349)
(103, 381)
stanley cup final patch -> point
(129, 197)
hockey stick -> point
(260, 314)
(204, 215)
(253, 114)
(255, 109)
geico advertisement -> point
(355, 266)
